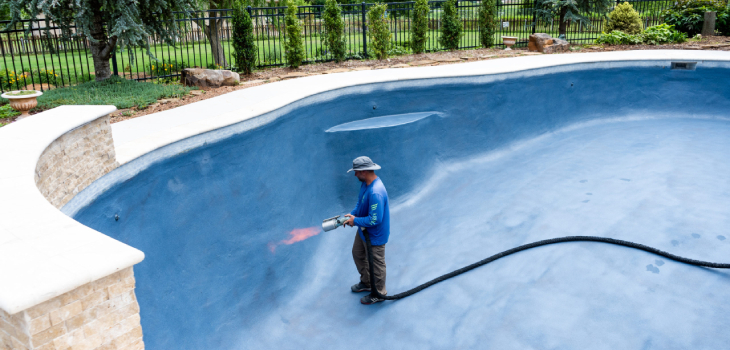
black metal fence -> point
(35, 56)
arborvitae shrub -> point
(487, 22)
(625, 19)
(419, 26)
(450, 26)
(378, 30)
(244, 44)
(294, 44)
(334, 28)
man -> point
(371, 213)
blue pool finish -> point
(632, 151)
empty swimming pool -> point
(474, 165)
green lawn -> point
(78, 65)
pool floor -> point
(661, 182)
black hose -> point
(374, 292)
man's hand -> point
(350, 221)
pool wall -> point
(53, 263)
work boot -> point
(360, 287)
(370, 299)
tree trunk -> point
(213, 31)
(562, 28)
(101, 47)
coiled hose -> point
(374, 292)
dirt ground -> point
(270, 75)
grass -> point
(7, 112)
(116, 91)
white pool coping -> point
(44, 253)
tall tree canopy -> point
(106, 23)
(571, 11)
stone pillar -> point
(103, 314)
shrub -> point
(397, 50)
(378, 30)
(334, 27)
(419, 26)
(619, 38)
(688, 16)
(294, 46)
(662, 34)
(7, 112)
(487, 22)
(450, 26)
(9, 80)
(625, 19)
(166, 67)
(722, 22)
(244, 43)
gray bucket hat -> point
(363, 163)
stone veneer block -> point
(85, 318)
(75, 160)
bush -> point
(9, 80)
(7, 112)
(625, 19)
(294, 45)
(450, 26)
(660, 34)
(487, 22)
(619, 38)
(378, 30)
(688, 16)
(244, 43)
(334, 28)
(166, 67)
(663, 34)
(419, 26)
(116, 91)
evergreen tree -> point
(487, 22)
(451, 26)
(419, 26)
(625, 19)
(378, 30)
(334, 28)
(107, 23)
(244, 43)
(294, 45)
(570, 11)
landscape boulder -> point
(544, 43)
(209, 77)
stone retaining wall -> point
(75, 160)
(103, 314)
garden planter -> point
(508, 41)
(22, 101)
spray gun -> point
(333, 223)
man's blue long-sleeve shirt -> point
(372, 212)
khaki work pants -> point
(360, 255)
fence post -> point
(114, 61)
(364, 33)
(534, 16)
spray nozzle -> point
(333, 223)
